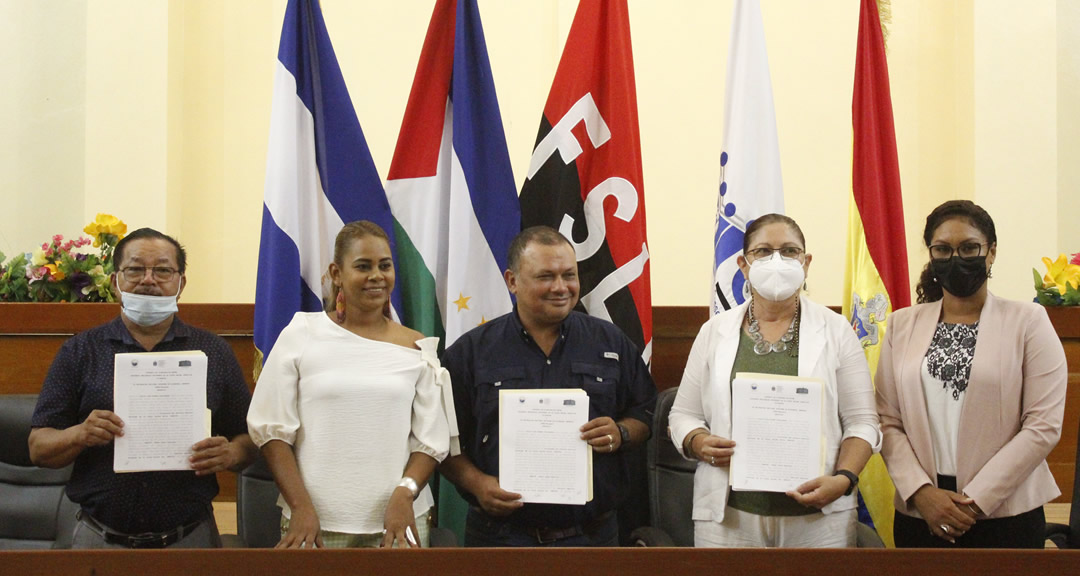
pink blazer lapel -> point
(983, 395)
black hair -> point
(545, 235)
(928, 289)
(761, 222)
(151, 234)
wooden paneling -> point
(1062, 458)
(30, 335)
(674, 330)
(545, 562)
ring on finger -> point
(611, 447)
(945, 528)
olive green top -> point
(782, 364)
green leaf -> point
(1048, 297)
(1072, 296)
(1038, 279)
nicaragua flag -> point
(750, 181)
(453, 196)
(319, 176)
(876, 276)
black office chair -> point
(671, 490)
(34, 511)
(258, 517)
(1068, 537)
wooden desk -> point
(543, 562)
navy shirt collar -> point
(117, 330)
(515, 321)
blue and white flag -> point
(319, 176)
(750, 181)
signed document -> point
(776, 426)
(541, 453)
(161, 397)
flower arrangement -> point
(1061, 284)
(58, 272)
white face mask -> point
(775, 278)
(147, 310)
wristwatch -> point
(851, 476)
(624, 433)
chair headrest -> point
(15, 413)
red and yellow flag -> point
(876, 277)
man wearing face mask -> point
(74, 421)
(776, 331)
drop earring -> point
(339, 306)
(989, 274)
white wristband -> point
(410, 485)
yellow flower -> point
(57, 275)
(38, 259)
(105, 224)
(1061, 273)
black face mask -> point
(958, 276)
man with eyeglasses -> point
(74, 421)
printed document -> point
(776, 426)
(161, 397)
(541, 453)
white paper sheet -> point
(776, 426)
(161, 397)
(541, 453)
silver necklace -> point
(789, 341)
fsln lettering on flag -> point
(594, 94)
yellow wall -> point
(158, 110)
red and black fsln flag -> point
(585, 174)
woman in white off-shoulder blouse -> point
(350, 411)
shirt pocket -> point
(601, 382)
(489, 382)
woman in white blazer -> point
(777, 331)
(971, 393)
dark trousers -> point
(483, 531)
(1027, 530)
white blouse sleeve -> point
(855, 390)
(273, 413)
(434, 425)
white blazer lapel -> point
(811, 336)
(726, 330)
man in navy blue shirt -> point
(544, 343)
(74, 421)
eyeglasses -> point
(966, 251)
(137, 273)
(787, 252)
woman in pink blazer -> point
(971, 393)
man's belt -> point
(144, 540)
(545, 535)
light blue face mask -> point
(147, 310)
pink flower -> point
(58, 239)
(67, 246)
(44, 246)
(1075, 259)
